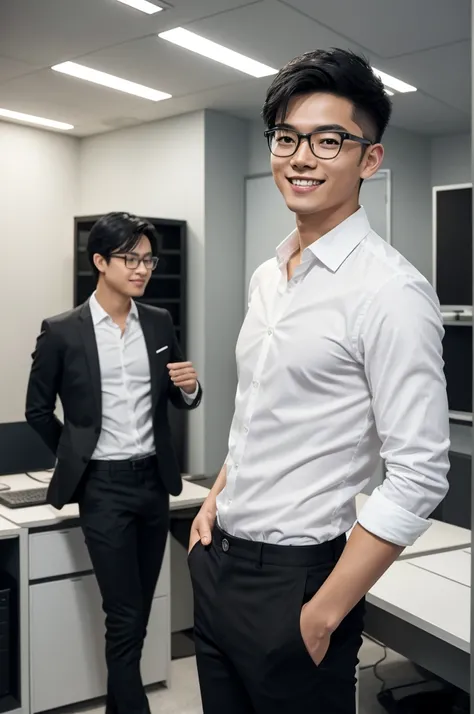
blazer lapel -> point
(92, 354)
(149, 333)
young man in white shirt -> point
(340, 365)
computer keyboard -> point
(24, 498)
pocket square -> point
(162, 349)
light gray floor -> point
(183, 695)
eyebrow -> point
(322, 127)
(137, 255)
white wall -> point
(409, 158)
(39, 188)
(451, 160)
(157, 169)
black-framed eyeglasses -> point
(133, 261)
(285, 142)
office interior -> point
(198, 165)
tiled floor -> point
(183, 695)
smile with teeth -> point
(306, 182)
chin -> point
(134, 291)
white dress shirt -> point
(339, 367)
(127, 420)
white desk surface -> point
(439, 536)
(454, 565)
(426, 600)
(7, 529)
(191, 496)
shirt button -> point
(270, 331)
(246, 429)
(236, 466)
(255, 384)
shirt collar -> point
(99, 315)
(334, 247)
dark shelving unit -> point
(166, 289)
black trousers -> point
(251, 657)
(124, 514)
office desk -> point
(37, 516)
(454, 566)
(64, 617)
(439, 537)
(13, 562)
(418, 610)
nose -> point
(141, 269)
(304, 157)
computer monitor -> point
(457, 353)
(452, 245)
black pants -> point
(124, 512)
(251, 657)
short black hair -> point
(335, 71)
(119, 231)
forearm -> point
(364, 560)
(49, 428)
(219, 485)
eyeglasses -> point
(285, 142)
(133, 261)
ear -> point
(99, 262)
(372, 161)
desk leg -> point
(357, 689)
(24, 607)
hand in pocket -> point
(315, 636)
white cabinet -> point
(57, 553)
(67, 632)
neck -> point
(114, 304)
(313, 226)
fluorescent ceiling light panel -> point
(40, 121)
(142, 5)
(393, 82)
(109, 80)
(387, 91)
(219, 53)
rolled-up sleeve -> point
(400, 344)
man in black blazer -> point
(114, 364)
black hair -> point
(335, 71)
(116, 232)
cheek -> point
(278, 171)
(116, 275)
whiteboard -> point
(268, 221)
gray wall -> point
(225, 167)
(408, 156)
(451, 160)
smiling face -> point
(124, 280)
(329, 186)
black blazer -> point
(66, 364)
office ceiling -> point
(426, 43)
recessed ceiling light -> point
(39, 121)
(142, 5)
(109, 80)
(219, 53)
(393, 82)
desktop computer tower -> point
(5, 638)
